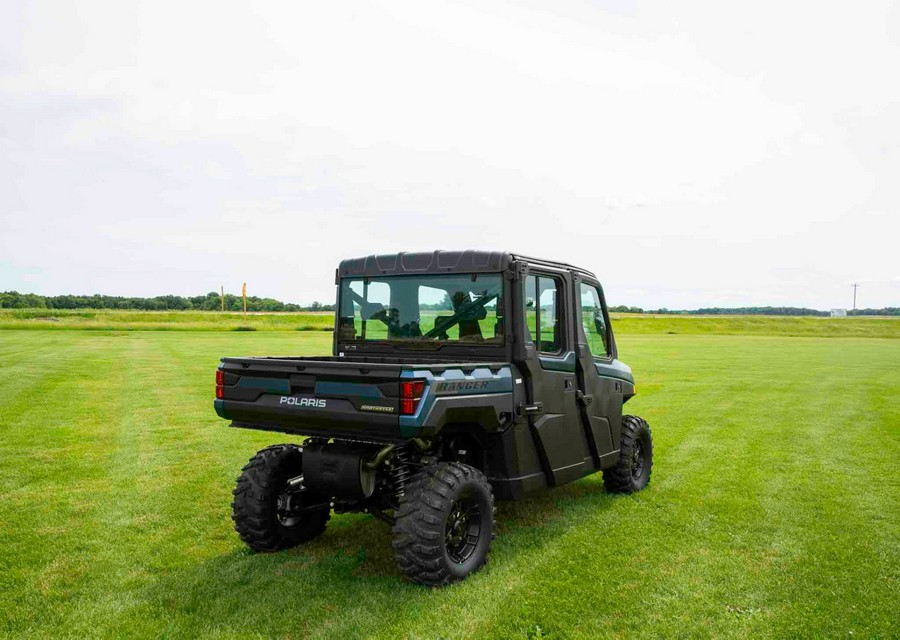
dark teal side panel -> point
(565, 362)
(615, 369)
(444, 386)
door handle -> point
(531, 409)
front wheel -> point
(632, 471)
(444, 525)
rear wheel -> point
(268, 515)
(632, 471)
(444, 525)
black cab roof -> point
(468, 261)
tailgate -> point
(312, 396)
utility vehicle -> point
(457, 377)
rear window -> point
(430, 308)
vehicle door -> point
(600, 392)
(550, 362)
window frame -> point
(610, 348)
(365, 344)
(559, 304)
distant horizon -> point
(331, 303)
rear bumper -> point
(332, 422)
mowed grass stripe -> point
(152, 528)
(56, 444)
(183, 478)
(26, 363)
(170, 467)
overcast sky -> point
(689, 153)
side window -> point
(542, 312)
(594, 321)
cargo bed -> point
(335, 397)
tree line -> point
(209, 302)
(759, 311)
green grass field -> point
(774, 508)
(128, 320)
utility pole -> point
(244, 295)
(855, 287)
(222, 297)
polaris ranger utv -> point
(456, 377)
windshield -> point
(459, 308)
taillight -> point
(410, 394)
(220, 381)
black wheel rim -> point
(463, 529)
(283, 509)
(637, 459)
